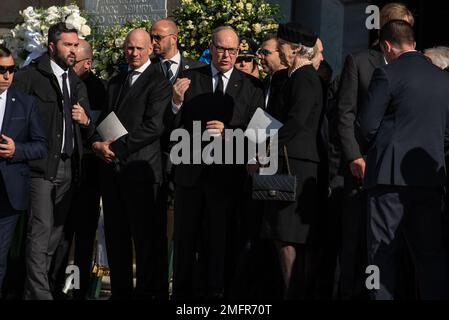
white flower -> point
(85, 31)
(240, 6)
(257, 27)
(249, 7)
(75, 20)
(119, 42)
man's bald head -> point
(138, 34)
(84, 57)
(224, 48)
(164, 35)
(84, 50)
(138, 48)
(165, 24)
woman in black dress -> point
(298, 107)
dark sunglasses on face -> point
(265, 52)
(245, 59)
(10, 69)
(158, 38)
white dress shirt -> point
(58, 72)
(2, 108)
(225, 77)
(175, 63)
(137, 72)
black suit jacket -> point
(299, 108)
(354, 82)
(403, 123)
(38, 80)
(186, 64)
(244, 94)
(23, 124)
(141, 112)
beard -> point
(64, 62)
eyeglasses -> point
(231, 51)
(244, 59)
(78, 61)
(10, 69)
(265, 52)
(158, 37)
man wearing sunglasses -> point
(271, 63)
(246, 60)
(22, 139)
(171, 63)
(206, 196)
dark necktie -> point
(126, 85)
(168, 72)
(68, 138)
(219, 89)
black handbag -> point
(279, 187)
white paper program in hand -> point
(260, 125)
(111, 128)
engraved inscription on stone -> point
(111, 12)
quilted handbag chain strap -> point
(285, 155)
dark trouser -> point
(81, 222)
(7, 227)
(408, 218)
(50, 201)
(204, 214)
(353, 241)
(133, 215)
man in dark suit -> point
(85, 207)
(170, 61)
(271, 63)
(22, 139)
(354, 82)
(207, 196)
(164, 36)
(132, 175)
(64, 108)
(402, 126)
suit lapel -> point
(234, 84)
(376, 58)
(205, 81)
(138, 86)
(9, 110)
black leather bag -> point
(279, 187)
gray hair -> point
(439, 56)
(303, 51)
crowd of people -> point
(367, 149)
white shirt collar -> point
(175, 59)
(57, 70)
(3, 95)
(142, 68)
(227, 74)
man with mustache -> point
(64, 108)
